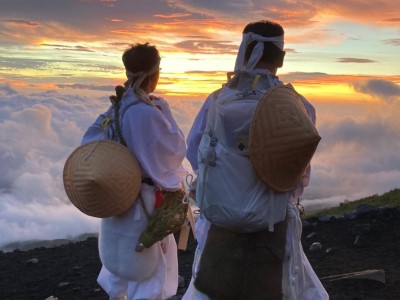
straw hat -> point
(102, 178)
(282, 139)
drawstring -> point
(209, 161)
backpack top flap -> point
(230, 116)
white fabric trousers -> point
(126, 274)
(162, 285)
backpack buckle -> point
(105, 123)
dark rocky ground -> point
(69, 271)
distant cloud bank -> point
(358, 154)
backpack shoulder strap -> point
(118, 115)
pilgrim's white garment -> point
(154, 137)
(299, 279)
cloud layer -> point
(60, 59)
(358, 155)
(37, 133)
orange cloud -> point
(355, 60)
(327, 79)
(391, 21)
(369, 12)
(172, 16)
(206, 46)
(22, 23)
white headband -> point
(248, 38)
(141, 75)
(135, 80)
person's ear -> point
(153, 81)
(281, 59)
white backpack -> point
(229, 193)
(106, 126)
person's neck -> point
(270, 67)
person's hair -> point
(141, 61)
(141, 57)
(267, 29)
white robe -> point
(159, 145)
(299, 279)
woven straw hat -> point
(282, 139)
(102, 178)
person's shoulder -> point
(309, 107)
(304, 99)
(214, 95)
(140, 111)
(307, 103)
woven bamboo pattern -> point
(282, 139)
(102, 178)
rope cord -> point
(119, 90)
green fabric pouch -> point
(166, 219)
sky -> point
(60, 60)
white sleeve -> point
(163, 105)
(158, 144)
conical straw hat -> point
(282, 139)
(102, 178)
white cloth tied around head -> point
(136, 79)
(248, 38)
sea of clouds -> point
(358, 156)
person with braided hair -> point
(147, 128)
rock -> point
(389, 213)
(316, 246)
(357, 289)
(33, 261)
(366, 209)
(311, 235)
(361, 242)
(376, 275)
(350, 215)
(326, 218)
(305, 224)
(63, 284)
(359, 229)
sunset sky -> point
(60, 60)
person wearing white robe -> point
(299, 280)
(154, 137)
